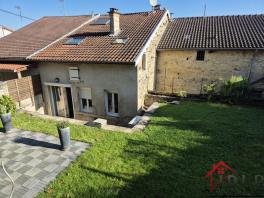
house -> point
(4, 31)
(104, 68)
(19, 77)
(16, 47)
(197, 50)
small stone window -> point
(144, 61)
(200, 55)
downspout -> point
(252, 65)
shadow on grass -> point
(184, 142)
(178, 148)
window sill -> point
(112, 114)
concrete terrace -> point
(33, 160)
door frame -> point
(61, 85)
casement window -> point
(111, 101)
(86, 104)
(200, 55)
(74, 73)
(144, 61)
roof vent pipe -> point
(114, 21)
(156, 7)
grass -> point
(170, 159)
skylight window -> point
(120, 41)
(101, 21)
(74, 41)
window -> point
(111, 100)
(120, 41)
(101, 21)
(74, 73)
(85, 96)
(200, 55)
(75, 40)
(144, 61)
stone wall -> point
(146, 76)
(180, 71)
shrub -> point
(210, 89)
(7, 105)
(182, 94)
(63, 125)
(236, 88)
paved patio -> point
(33, 160)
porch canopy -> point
(13, 67)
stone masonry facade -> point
(146, 76)
(180, 71)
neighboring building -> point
(16, 47)
(4, 31)
(197, 50)
(104, 68)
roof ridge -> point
(68, 16)
(217, 16)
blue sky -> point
(181, 8)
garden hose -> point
(13, 183)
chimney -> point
(114, 21)
(156, 7)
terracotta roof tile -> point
(218, 32)
(98, 44)
(13, 67)
(37, 35)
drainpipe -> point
(252, 65)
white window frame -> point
(87, 98)
(112, 113)
(74, 73)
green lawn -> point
(170, 159)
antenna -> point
(20, 12)
(205, 9)
(63, 6)
(153, 3)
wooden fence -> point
(22, 89)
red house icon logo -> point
(222, 170)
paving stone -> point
(33, 160)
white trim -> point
(57, 84)
(143, 50)
(62, 37)
(113, 114)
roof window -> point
(101, 21)
(120, 41)
(74, 41)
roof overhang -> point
(10, 67)
(212, 49)
(147, 44)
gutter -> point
(62, 37)
(143, 50)
(212, 49)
